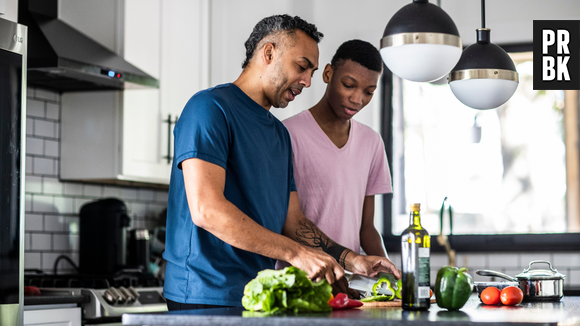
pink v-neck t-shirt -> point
(332, 182)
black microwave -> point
(13, 44)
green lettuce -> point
(286, 290)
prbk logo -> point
(556, 54)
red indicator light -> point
(118, 75)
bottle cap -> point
(415, 207)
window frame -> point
(489, 242)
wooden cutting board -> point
(394, 303)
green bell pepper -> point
(453, 287)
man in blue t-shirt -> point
(233, 208)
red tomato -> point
(490, 295)
(511, 296)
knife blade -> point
(364, 283)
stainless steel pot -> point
(537, 284)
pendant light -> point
(485, 77)
(421, 42)
(445, 79)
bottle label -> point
(424, 292)
(424, 273)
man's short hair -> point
(358, 51)
(274, 24)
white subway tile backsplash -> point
(109, 191)
(79, 202)
(92, 190)
(161, 196)
(43, 203)
(139, 209)
(48, 259)
(64, 205)
(52, 111)
(29, 127)
(128, 193)
(568, 259)
(41, 241)
(35, 108)
(44, 166)
(503, 260)
(146, 194)
(32, 260)
(156, 209)
(28, 163)
(32, 184)
(46, 95)
(51, 148)
(44, 128)
(54, 223)
(473, 260)
(512, 271)
(573, 278)
(27, 241)
(52, 186)
(72, 224)
(33, 222)
(74, 241)
(433, 276)
(141, 224)
(74, 189)
(395, 258)
(34, 146)
(438, 260)
(27, 202)
(526, 258)
(61, 242)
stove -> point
(107, 297)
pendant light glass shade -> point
(485, 77)
(421, 42)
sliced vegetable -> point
(398, 294)
(382, 280)
(380, 297)
(341, 301)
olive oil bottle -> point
(415, 247)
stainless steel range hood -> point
(63, 59)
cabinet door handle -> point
(170, 123)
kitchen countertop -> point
(565, 312)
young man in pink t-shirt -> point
(339, 163)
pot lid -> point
(540, 274)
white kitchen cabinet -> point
(52, 315)
(122, 137)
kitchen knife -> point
(363, 283)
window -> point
(510, 174)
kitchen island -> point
(565, 312)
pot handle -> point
(486, 272)
(539, 261)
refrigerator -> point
(13, 44)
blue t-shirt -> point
(223, 126)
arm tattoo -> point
(310, 235)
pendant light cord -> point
(482, 13)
